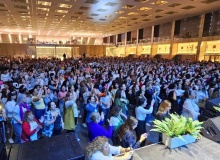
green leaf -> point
(176, 126)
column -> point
(171, 40)
(202, 20)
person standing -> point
(64, 56)
(141, 114)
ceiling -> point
(96, 18)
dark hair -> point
(187, 93)
(26, 115)
(127, 126)
(170, 95)
(141, 101)
(10, 94)
(90, 97)
(49, 105)
(68, 94)
(115, 110)
(118, 93)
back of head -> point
(94, 116)
(95, 145)
(127, 126)
(164, 106)
(115, 111)
(141, 101)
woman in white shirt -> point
(100, 149)
(141, 114)
(190, 108)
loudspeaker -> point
(211, 129)
(211, 103)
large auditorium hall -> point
(109, 79)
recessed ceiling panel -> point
(4, 10)
(141, 1)
(102, 10)
(2, 5)
(158, 10)
(93, 14)
(111, 4)
(91, 1)
(188, 7)
(20, 1)
(174, 5)
(171, 12)
(84, 8)
(21, 7)
(209, 1)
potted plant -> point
(177, 130)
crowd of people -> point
(115, 98)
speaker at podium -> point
(211, 129)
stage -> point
(61, 147)
(203, 149)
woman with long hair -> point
(173, 100)
(121, 99)
(100, 149)
(163, 110)
(126, 136)
(53, 122)
(117, 119)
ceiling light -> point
(119, 12)
(43, 9)
(132, 13)
(128, 6)
(159, 2)
(48, 33)
(61, 11)
(144, 8)
(64, 5)
(44, 3)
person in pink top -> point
(61, 97)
